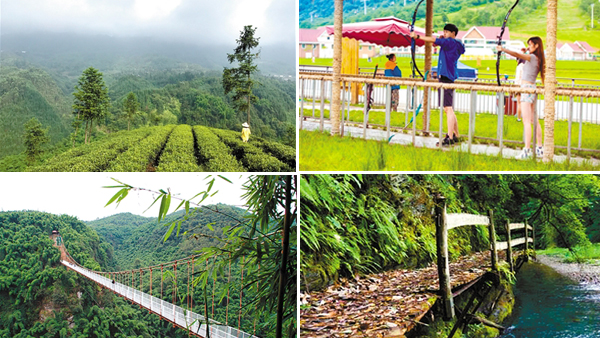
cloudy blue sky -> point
(191, 21)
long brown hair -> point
(539, 53)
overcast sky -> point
(193, 21)
(82, 195)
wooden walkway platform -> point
(385, 304)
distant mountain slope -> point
(27, 93)
(117, 228)
(141, 244)
(70, 54)
(527, 19)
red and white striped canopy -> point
(389, 31)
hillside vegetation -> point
(138, 241)
(359, 224)
(175, 148)
(27, 93)
(41, 298)
(184, 94)
(527, 19)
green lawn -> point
(486, 125)
(321, 152)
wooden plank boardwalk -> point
(380, 305)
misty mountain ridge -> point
(70, 54)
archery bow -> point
(412, 41)
(500, 41)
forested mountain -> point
(41, 298)
(117, 228)
(138, 241)
(488, 13)
(174, 83)
(27, 93)
(357, 224)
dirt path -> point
(385, 304)
(581, 273)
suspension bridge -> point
(130, 285)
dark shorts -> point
(448, 93)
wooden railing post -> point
(493, 241)
(526, 238)
(509, 249)
(533, 236)
(441, 236)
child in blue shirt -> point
(450, 50)
(391, 69)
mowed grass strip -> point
(252, 157)
(178, 154)
(141, 156)
(485, 126)
(97, 155)
(214, 155)
(321, 152)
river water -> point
(549, 305)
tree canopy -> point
(238, 79)
(91, 100)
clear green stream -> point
(549, 305)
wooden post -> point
(441, 236)
(509, 249)
(493, 242)
(533, 235)
(526, 238)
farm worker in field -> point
(245, 131)
(535, 63)
(450, 50)
(391, 69)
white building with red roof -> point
(578, 50)
(315, 43)
(318, 44)
(482, 40)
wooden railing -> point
(445, 222)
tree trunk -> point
(128, 122)
(249, 101)
(550, 81)
(337, 67)
(76, 131)
(428, 50)
(86, 132)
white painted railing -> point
(194, 322)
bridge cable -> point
(142, 287)
(192, 299)
(188, 291)
(256, 308)
(213, 294)
(205, 300)
(228, 280)
(241, 295)
(174, 291)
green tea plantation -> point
(175, 148)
